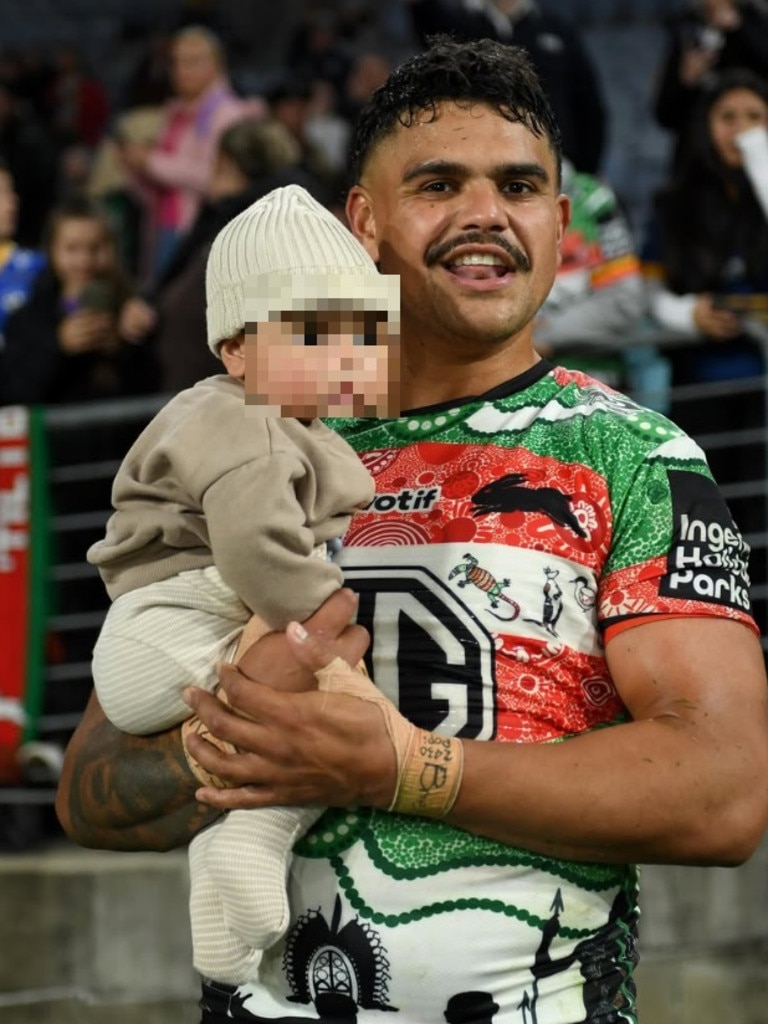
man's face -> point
(194, 66)
(322, 364)
(466, 208)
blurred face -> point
(9, 207)
(733, 113)
(319, 364)
(80, 251)
(466, 208)
(194, 67)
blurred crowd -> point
(107, 210)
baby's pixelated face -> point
(324, 362)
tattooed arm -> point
(121, 792)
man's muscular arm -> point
(683, 782)
(123, 792)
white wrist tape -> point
(429, 766)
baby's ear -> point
(232, 352)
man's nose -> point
(483, 208)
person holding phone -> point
(704, 38)
(65, 344)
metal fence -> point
(86, 445)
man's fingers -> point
(239, 798)
(312, 650)
(253, 701)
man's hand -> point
(305, 748)
(120, 792)
(720, 324)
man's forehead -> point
(427, 130)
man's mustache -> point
(441, 253)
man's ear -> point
(564, 219)
(232, 352)
(362, 221)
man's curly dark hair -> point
(483, 71)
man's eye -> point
(517, 188)
(310, 336)
(437, 186)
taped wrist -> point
(429, 777)
(429, 767)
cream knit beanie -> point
(287, 253)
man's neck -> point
(431, 380)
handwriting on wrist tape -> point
(430, 775)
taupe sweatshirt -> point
(205, 484)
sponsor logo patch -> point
(708, 559)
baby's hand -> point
(267, 657)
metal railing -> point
(86, 445)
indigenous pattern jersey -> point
(506, 537)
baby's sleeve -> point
(262, 544)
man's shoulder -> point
(571, 400)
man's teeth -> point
(476, 259)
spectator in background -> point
(29, 75)
(368, 72)
(255, 155)
(64, 344)
(78, 102)
(564, 65)
(79, 111)
(706, 261)
(707, 37)
(292, 102)
(109, 182)
(323, 121)
(598, 296)
(18, 266)
(149, 84)
(315, 51)
(28, 151)
(172, 176)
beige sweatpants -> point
(154, 642)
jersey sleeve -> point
(676, 549)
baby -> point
(220, 516)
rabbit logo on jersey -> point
(708, 558)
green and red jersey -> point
(510, 537)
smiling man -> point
(568, 678)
